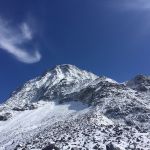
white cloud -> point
(26, 31)
(12, 40)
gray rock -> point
(51, 147)
(111, 146)
(74, 148)
(5, 116)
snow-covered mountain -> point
(69, 108)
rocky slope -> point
(69, 108)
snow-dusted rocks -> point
(140, 83)
(5, 116)
(69, 108)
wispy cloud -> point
(134, 4)
(26, 31)
(139, 4)
(12, 39)
(139, 17)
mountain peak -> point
(66, 66)
(68, 70)
(140, 77)
(140, 83)
(63, 66)
(55, 84)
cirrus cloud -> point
(26, 31)
(13, 40)
(137, 14)
(142, 5)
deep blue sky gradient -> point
(92, 34)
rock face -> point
(140, 83)
(69, 108)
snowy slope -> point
(69, 108)
(28, 122)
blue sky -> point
(110, 38)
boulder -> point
(74, 148)
(51, 147)
(5, 116)
(112, 146)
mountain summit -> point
(55, 84)
(70, 108)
